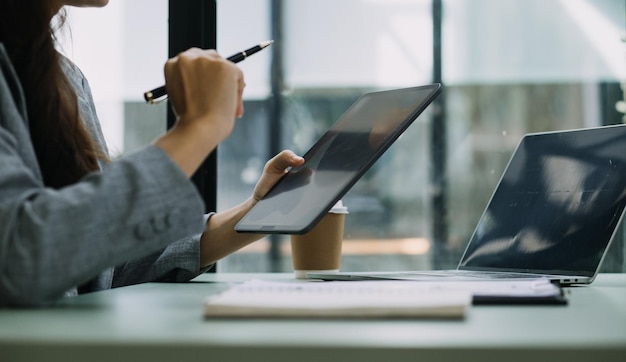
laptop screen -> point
(557, 205)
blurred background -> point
(509, 67)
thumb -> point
(285, 159)
(274, 170)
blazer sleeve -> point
(178, 262)
(52, 240)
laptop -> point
(337, 160)
(553, 214)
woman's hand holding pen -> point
(205, 91)
(200, 83)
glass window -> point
(121, 48)
(513, 67)
(508, 67)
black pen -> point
(153, 95)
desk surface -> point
(163, 322)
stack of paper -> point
(258, 298)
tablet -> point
(337, 160)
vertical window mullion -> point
(192, 23)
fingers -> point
(274, 170)
(282, 161)
(204, 86)
(242, 85)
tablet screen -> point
(337, 160)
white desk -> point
(163, 322)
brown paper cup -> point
(319, 250)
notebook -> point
(553, 214)
(310, 299)
(337, 160)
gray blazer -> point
(129, 223)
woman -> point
(72, 221)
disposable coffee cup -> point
(319, 250)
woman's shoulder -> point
(73, 73)
(86, 105)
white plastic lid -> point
(339, 208)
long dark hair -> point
(64, 148)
